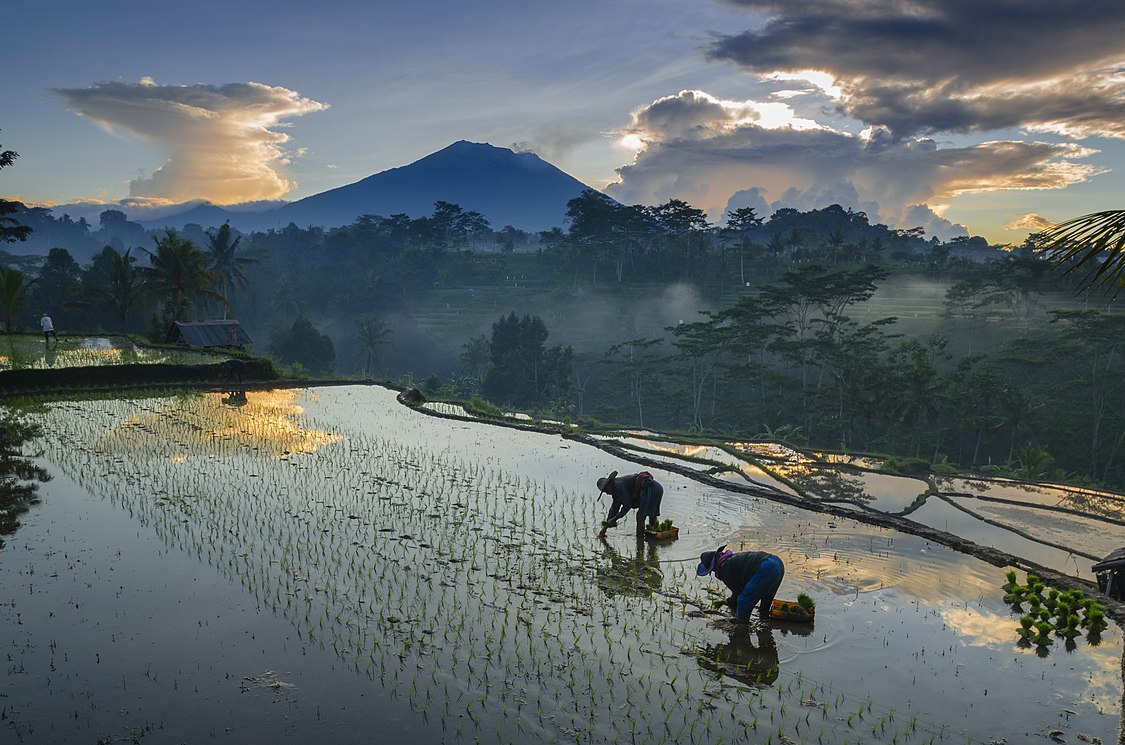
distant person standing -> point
(48, 329)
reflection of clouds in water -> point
(978, 627)
(269, 423)
(852, 557)
(981, 628)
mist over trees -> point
(817, 327)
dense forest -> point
(815, 327)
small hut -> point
(1110, 572)
(224, 333)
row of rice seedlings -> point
(469, 591)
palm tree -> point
(373, 333)
(1082, 241)
(222, 253)
(178, 271)
(12, 292)
(126, 288)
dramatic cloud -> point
(697, 148)
(929, 66)
(222, 141)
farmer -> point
(234, 369)
(752, 576)
(48, 327)
(636, 490)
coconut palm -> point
(178, 271)
(1095, 242)
(224, 259)
(126, 288)
(373, 333)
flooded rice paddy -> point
(328, 565)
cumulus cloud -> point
(695, 147)
(223, 142)
(928, 66)
(1030, 221)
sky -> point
(980, 117)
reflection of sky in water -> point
(938, 514)
(980, 627)
(1094, 501)
(1094, 537)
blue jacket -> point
(736, 571)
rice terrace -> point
(329, 564)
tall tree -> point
(124, 289)
(178, 272)
(303, 343)
(13, 288)
(523, 371)
(372, 334)
(739, 224)
(10, 229)
(226, 262)
(475, 357)
(639, 362)
(56, 287)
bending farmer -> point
(638, 491)
(752, 576)
(234, 369)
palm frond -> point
(1094, 242)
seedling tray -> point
(790, 610)
(662, 535)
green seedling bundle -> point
(1051, 613)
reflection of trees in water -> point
(18, 475)
(637, 575)
(749, 656)
(830, 483)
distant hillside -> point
(508, 188)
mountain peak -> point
(507, 187)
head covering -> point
(607, 481)
(708, 561)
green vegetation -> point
(817, 327)
(1065, 614)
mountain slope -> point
(508, 188)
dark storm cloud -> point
(952, 65)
